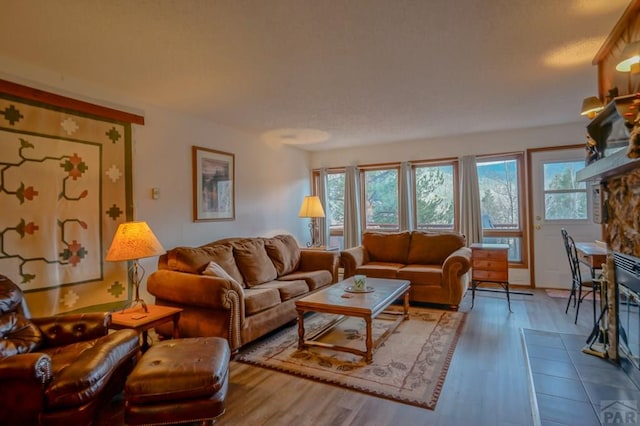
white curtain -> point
(352, 226)
(405, 197)
(471, 220)
(323, 223)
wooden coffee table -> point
(362, 305)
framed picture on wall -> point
(213, 184)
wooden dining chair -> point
(577, 283)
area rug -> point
(409, 367)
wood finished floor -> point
(487, 382)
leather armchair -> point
(60, 369)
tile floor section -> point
(574, 388)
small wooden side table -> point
(141, 321)
(490, 263)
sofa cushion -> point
(222, 254)
(284, 253)
(215, 270)
(432, 248)
(254, 262)
(386, 246)
(380, 269)
(258, 299)
(314, 279)
(288, 289)
(188, 259)
(421, 274)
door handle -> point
(537, 227)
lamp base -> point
(136, 278)
(135, 302)
(314, 233)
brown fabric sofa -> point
(437, 264)
(249, 291)
(58, 370)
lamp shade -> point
(590, 106)
(630, 58)
(311, 207)
(133, 240)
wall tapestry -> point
(65, 186)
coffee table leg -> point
(406, 305)
(369, 339)
(300, 329)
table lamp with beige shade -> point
(312, 208)
(131, 242)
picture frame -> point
(213, 184)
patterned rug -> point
(409, 367)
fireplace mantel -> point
(614, 165)
(610, 129)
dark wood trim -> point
(530, 218)
(30, 93)
(616, 33)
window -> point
(380, 199)
(335, 208)
(435, 196)
(500, 181)
(564, 197)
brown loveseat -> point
(249, 290)
(436, 263)
(58, 370)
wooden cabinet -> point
(490, 263)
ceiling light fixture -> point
(630, 58)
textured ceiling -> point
(335, 72)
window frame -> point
(586, 191)
(456, 191)
(363, 195)
(333, 231)
(522, 232)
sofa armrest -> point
(183, 288)
(62, 330)
(352, 259)
(203, 291)
(316, 260)
(454, 267)
(458, 262)
(31, 368)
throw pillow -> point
(215, 270)
(188, 259)
(222, 254)
(254, 262)
(284, 252)
(387, 246)
(432, 248)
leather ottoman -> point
(176, 381)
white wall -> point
(271, 181)
(455, 146)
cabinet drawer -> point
(489, 264)
(480, 275)
(489, 254)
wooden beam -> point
(70, 103)
(616, 33)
